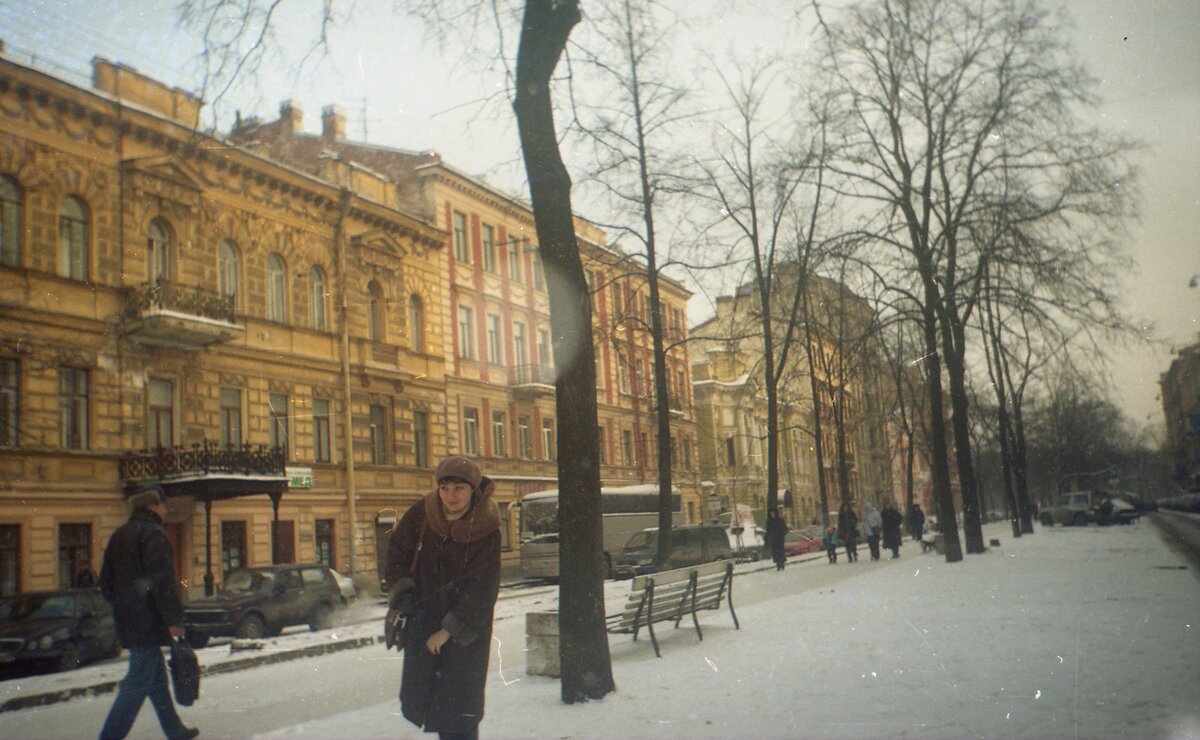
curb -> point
(108, 687)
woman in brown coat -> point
(443, 565)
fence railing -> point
(165, 463)
(185, 299)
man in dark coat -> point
(892, 520)
(916, 522)
(444, 566)
(776, 535)
(848, 531)
(138, 579)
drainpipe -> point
(339, 245)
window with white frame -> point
(10, 223)
(495, 354)
(548, 439)
(158, 252)
(466, 333)
(73, 408)
(462, 250)
(421, 439)
(231, 418)
(72, 239)
(9, 397)
(322, 427)
(524, 438)
(416, 323)
(488, 247)
(499, 437)
(470, 443)
(229, 273)
(514, 259)
(318, 299)
(520, 348)
(378, 427)
(376, 312)
(539, 275)
(543, 348)
(276, 289)
(277, 430)
(161, 407)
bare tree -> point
(546, 26)
(941, 98)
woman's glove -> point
(402, 606)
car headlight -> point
(46, 642)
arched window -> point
(158, 252)
(229, 273)
(10, 223)
(318, 299)
(72, 239)
(375, 312)
(276, 289)
(416, 323)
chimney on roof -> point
(333, 123)
(291, 118)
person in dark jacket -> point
(138, 579)
(776, 533)
(892, 520)
(916, 522)
(444, 563)
(848, 531)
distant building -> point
(1180, 386)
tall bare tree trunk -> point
(583, 642)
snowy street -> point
(1071, 632)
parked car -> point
(257, 602)
(1114, 510)
(691, 544)
(1074, 508)
(798, 543)
(57, 629)
(746, 543)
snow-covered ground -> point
(1088, 632)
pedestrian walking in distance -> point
(443, 571)
(138, 579)
(848, 531)
(916, 522)
(776, 533)
(892, 519)
(830, 540)
(874, 527)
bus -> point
(626, 510)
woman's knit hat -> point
(457, 466)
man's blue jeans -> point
(147, 676)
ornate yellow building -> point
(285, 330)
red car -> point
(798, 543)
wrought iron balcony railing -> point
(166, 463)
(184, 299)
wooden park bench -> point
(672, 595)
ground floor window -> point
(74, 552)
(233, 546)
(323, 534)
(10, 559)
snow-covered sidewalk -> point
(1087, 632)
(1081, 632)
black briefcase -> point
(185, 672)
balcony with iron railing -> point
(164, 314)
(201, 460)
(534, 379)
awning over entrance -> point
(207, 472)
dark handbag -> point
(185, 672)
(402, 606)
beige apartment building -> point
(498, 343)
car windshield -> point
(246, 581)
(37, 606)
(640, 541)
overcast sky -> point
(1146, 55)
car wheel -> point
(754, 556)
(196, 639)
(321, 618)
(1047, 520)
(69, 658)
(1080, 520)
(251, 627)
